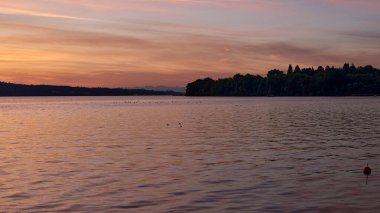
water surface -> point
(118, 154)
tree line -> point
(323, 81)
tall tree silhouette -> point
(290, 70)
(297, 69)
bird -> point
(367, 171)
(180, 124)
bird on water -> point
(367, 171)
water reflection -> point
(231, 154)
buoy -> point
(367, 171)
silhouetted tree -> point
(352, 68)
(290, 70)
(200, 87)
(276, 82)
(320, 69)
(297, 69)
(348, 80)
(346, 68)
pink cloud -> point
(14, 11)
(356, 4)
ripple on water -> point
(118, 154)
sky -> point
(129, 43)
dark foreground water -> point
(130, 154)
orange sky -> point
(121, 43)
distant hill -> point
(328, 81)
(11, 89)
(162, 88)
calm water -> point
(129, 154)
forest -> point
(10, 89)
(323, 81)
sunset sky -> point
(126, 43)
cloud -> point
(67, 38)
(372, 5)
(49, 51)
(52, 41)
(141, 4)
(372, 35)
(81, 53)
(14, 11)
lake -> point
(178, 154)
